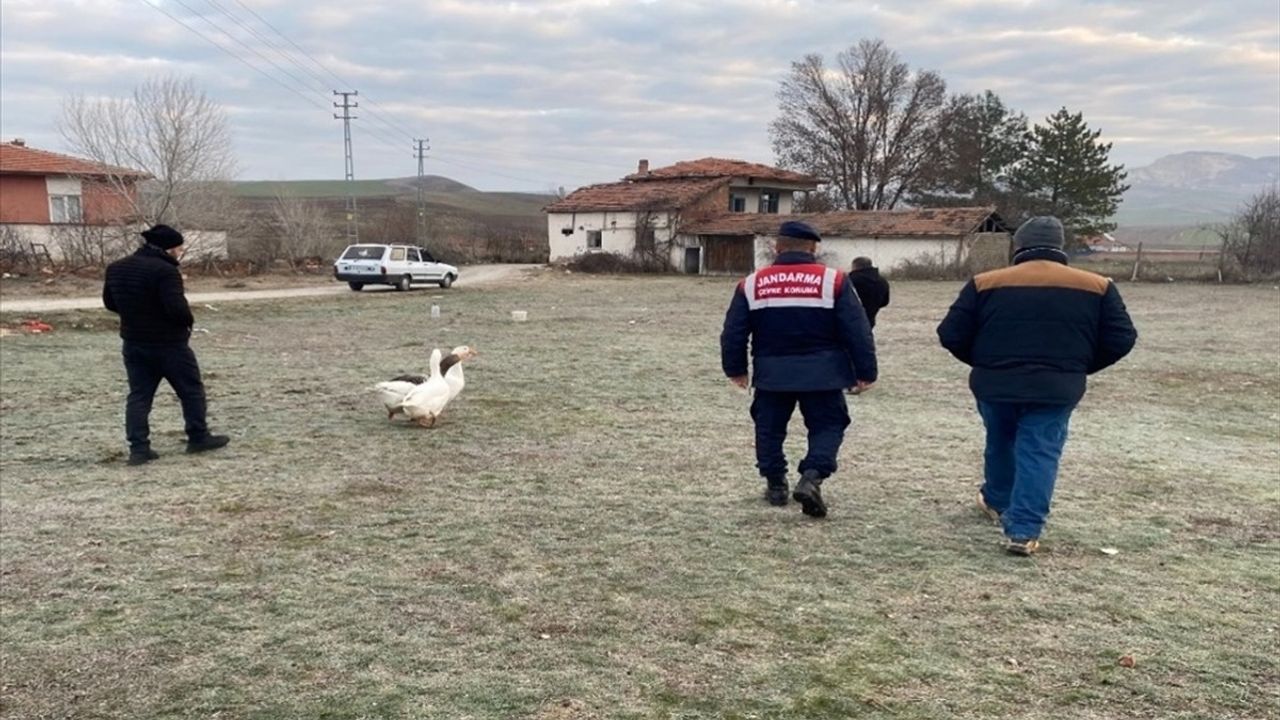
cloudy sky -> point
(532, 95)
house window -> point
(65, 209)
(595, 239)
(769, 202)
(737, 203)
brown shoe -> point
(987, 510)
(1023, 546)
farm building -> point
(720, 216)
(61, 208)
(647, 209)
(945, 236)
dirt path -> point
(468, 276)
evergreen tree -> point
(981, 141)
(1065, 173)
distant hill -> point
(1193, 188)
(463, 223)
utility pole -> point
(422, 197)
(353, 228)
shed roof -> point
(709, 167)
(937, 222)
(20, 159)
(656, 195)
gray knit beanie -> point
(1043, 231)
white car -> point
(399, 266)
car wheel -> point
(404, 283)
(446, 281)
(356, 286)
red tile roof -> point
(656, 195)
(20, 159)
(709, 167)
(941, 222)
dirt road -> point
(468, 277)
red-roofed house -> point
(648, 208)
(50, 202)
(39, 187)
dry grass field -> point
(582, 537)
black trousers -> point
(146, 365)
(826, 415)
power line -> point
(377, 115)
(242, 43)
(239, 59)
(270, 43)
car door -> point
(416, 268)
(432, 268)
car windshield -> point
(364, 252)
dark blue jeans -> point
(825, 415)
(146, 365)
(1024, 444)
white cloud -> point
(506, 87)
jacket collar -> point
(149, 250)
(1040, 253)
(795, 257)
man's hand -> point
(740, 381)
(860, 388)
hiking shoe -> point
(809, 496)
(211, 442)
(776, 492)
(987, 510)
(1023, 546)
(142, 457)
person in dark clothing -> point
(1032, 333)
(872, 288)
(145, 290)
(809, 341)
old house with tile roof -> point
(721, 216)
(976, 236)
(61, 208)
(646, 209)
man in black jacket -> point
(145, 290)
(872, 288)
(1032, 333)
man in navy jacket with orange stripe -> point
(809, 341)
(1032, 333)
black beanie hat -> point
(1044, 231)
(163, 237)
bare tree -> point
(867, 127)
(303, 229)
(170, 129)
(1252, 236)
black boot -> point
(210, 442)
(775, 491)
(142, 457)
(809, 495)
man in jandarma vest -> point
(1032, 333)
(809, 341)
(145, 289)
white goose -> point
(424, 403)
(394, 390)
(453, 370)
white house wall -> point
(117, 241)
(617, 232)
(885, 253)
(62, 185)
